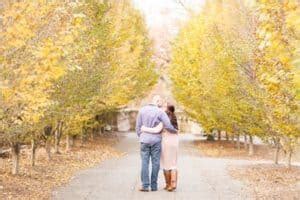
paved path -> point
(200, 178)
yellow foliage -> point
(235, 69)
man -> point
(150, 116)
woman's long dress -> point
(169, 154)
(170, 143)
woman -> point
(169, 154)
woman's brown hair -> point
(171, 113)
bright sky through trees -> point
(166, 13)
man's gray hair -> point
(157, 100)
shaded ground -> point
(263, 179)
(227, 149)
(199, 177)
(38, 182)
(268, 181)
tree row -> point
(236, 68)
(65, 66)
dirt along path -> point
(119, 179)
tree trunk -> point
(232, 138)
(69, 142)
(227, 137)
(93, 134)
(277, 150)
(238, 143)
(15, 155)
(289, 158)
(56, 142)
(72, 137)
(82, 137)
(219, 135)
(68, 146)
(251, 146)
(33, 152)
(58, 133)
(245, 142)
(48, 148)
(102, 130)
(276, 154)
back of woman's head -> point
(171, 113)
(171, 108)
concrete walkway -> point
(118, 179)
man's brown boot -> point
(167, 174)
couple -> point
(157, 130)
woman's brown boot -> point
(167, 174)
(173, 184)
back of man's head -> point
(157, 100)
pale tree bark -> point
(238, 143)
(93, 134)
(56, 142)
(251, 146)
(69, 142)
(289, 158)
(72, 137)
(68, 146)
(277, 150)
(48, 132)
(83, 137)
(219, 135)
(48, 148)
(232, 138)
(33, 152)
(290, 152)
(57, 137)
(227, 137)
(245, 142)
(15, 155)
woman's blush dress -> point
(169, 154)
(170, 143)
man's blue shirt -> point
(150, 116)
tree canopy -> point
(69, 62)
(235, 67)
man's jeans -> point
(152, 151)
